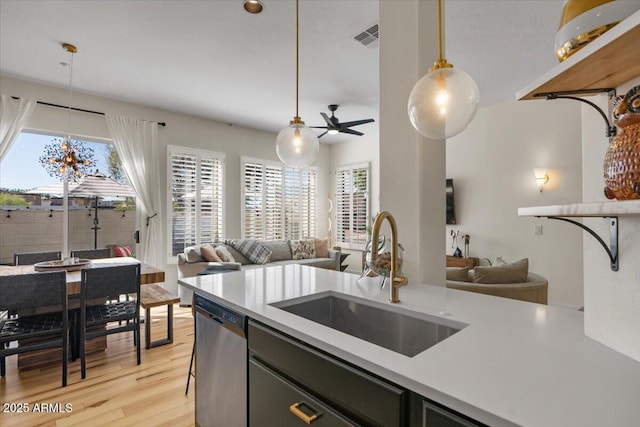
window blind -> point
(278, 202)
(352, 207)
(196, 197)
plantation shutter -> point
(196, 202)
(253, 188)
(273, 199)
(278, 202)
(352, 207)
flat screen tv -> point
(451, 212)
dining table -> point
(148, 275)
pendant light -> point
(297, 146)
(445, 100)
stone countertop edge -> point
(516, 363)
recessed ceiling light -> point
(253, 6)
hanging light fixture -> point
(65, 158)
(297, 146)
(68, 160)
(445, 100)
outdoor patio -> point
(39, 229)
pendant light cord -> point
(440, 56)
(297, 55)
(441, 62)
(70, 92)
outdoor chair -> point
(35, 257)
(107, 283)
(91, 253)
(42, 320)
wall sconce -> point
(541, 177)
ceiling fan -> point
(334, 126)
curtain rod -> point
(82, 110)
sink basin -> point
(404, 332)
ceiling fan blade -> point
(351, 131)
(322, 134)
(328, 120)
(355, 123)
(318, 127)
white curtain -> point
(14, 114)
(137, 145)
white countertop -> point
(516, 363)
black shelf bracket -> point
(611, 130)
(612, 249)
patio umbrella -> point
(96, 184)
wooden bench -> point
(153, 295)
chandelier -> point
(65, 158)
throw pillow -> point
(515, 272)
(209, 253)
(121, 251)
(321, 247)
(253, 250)
(458, 274)
(193, 254)
(224, 254)
(302, 249)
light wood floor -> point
(116, 392)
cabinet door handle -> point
(295, 408)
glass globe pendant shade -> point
(297, 146)
(443, 103)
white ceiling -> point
(211, 59)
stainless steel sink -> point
(404, 332)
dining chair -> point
(42, 320)
(91, 253)
(35, 257)
(106, 284)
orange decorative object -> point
(622, 161)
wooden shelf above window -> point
(607, 62)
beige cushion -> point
(224, 254)
(302, 249)
(322, 247)
(459, 274)
(193, 254)
(510, 273)
(209, 253)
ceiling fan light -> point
(253, 6)
(297, 146)
(333, 131)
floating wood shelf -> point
(607, 62)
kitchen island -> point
(515, 363)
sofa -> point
(506, 280)
(191, 262)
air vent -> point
(368, 37)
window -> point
(196, 197)
(278, 202)
(352, 207)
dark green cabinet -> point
(284, 371)
(276, 402)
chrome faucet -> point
(394, 278)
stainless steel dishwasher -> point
(221, 364)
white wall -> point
(181, 130)
(412, 168)
(492, 163)
(612, 299)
